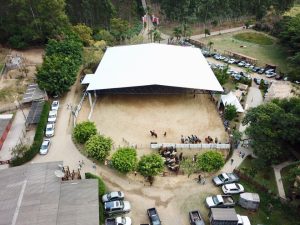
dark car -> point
(153, 216)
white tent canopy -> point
(231, 99)
(153, 64)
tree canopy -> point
(151, 165)
(124, 159)
(274, 129)
(230, 112)
(210, 161)
(83, 131)
(98, 147)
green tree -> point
(177, 32)
(230, 112)
(221, 75)
(119, 28)
(85, 33)
(188, 166)
(105, 36)
(274, 129)
(151, 165)
(83, 131)
(156, 36)
(236, 137)
(206, 32)
(210, 161)
(186, 30)
(125, 159)
(98, 147)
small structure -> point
(220, 216)
(33, 93)
(34, 113)
(5, 125)
(249, 200)
(230, 99)
(242, 87)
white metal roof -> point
(231, 99)
(153, 64)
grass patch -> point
(255, 38)
(293, 11)
(264, 176)
(265, 54)
(5, 93)
(279, 215)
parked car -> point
(49, 130)
(222, 57)
(270, 75)
(241, 64)
(45, 147)
(116, 207)
(218, 216)
(246, 75)
(52, 116)
(217, 56)
(118, 221)
(55, 105)
(196, 218)
(225, 178)
(153, 216)
(237, 76)
(258, 80)
(113, 196)
(231, 61)
(247, 65)
(261, 71)
(243, 220)
(220, 201)
(269, 71)
(251, 67)
(256, 69)
(233, 188)
(226, 59)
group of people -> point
(70, 175)
(193, 139)
(209, 140)
(170, 156)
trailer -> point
(221, 216)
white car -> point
(119, 220)
(55, 105)
(270, 75)
(49, 130)
(243, 220)
(113, 196)
(231, 61)
(234, 188)
(52, 116)
(45, 147)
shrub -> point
(83, 131)
(17, 42)
(210, 161)
(151, 165)
(98, 147)
(124, 160)
(37, 141)
(230, 112)
(101, 192)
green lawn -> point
(265, 176)
(279, 215)
(266, 54)
(254, 37)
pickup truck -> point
(153, 216)
(118, 221)
(116, 207)
(195, 218)
(225, 178)
(220, 201)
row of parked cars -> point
(50, 128)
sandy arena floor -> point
(129, 118)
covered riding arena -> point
(153, 87)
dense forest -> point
(202, 10)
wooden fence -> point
(190, 146)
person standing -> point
(231, 161)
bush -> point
(17, 42)
(37, 141)
(98, 147)
(83, 131)
(210, 161)
(151, 165)
(230, 112)
(101, 192)
(124, 160)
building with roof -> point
(33, 194)
(152, 69)
(231, 99)
(5, 125)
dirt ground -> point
(127, 119)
